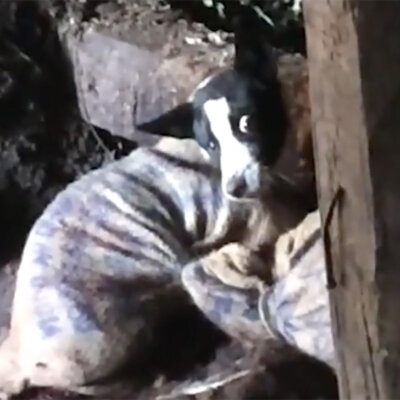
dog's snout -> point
(244, 185)
(237, 187)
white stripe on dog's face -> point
(236, 160)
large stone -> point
(129, 73)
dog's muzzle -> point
(245, 184)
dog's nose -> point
(237, 187)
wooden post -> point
(354, 66)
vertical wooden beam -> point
(354, 65)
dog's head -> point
(237, 116)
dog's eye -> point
(244, 124)
(211, 145)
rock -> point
(112, 82)
(130, 68)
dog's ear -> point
(253, 52)
(178, 122)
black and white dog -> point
(237, 116)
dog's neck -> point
(278, 209)
(257, 223)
